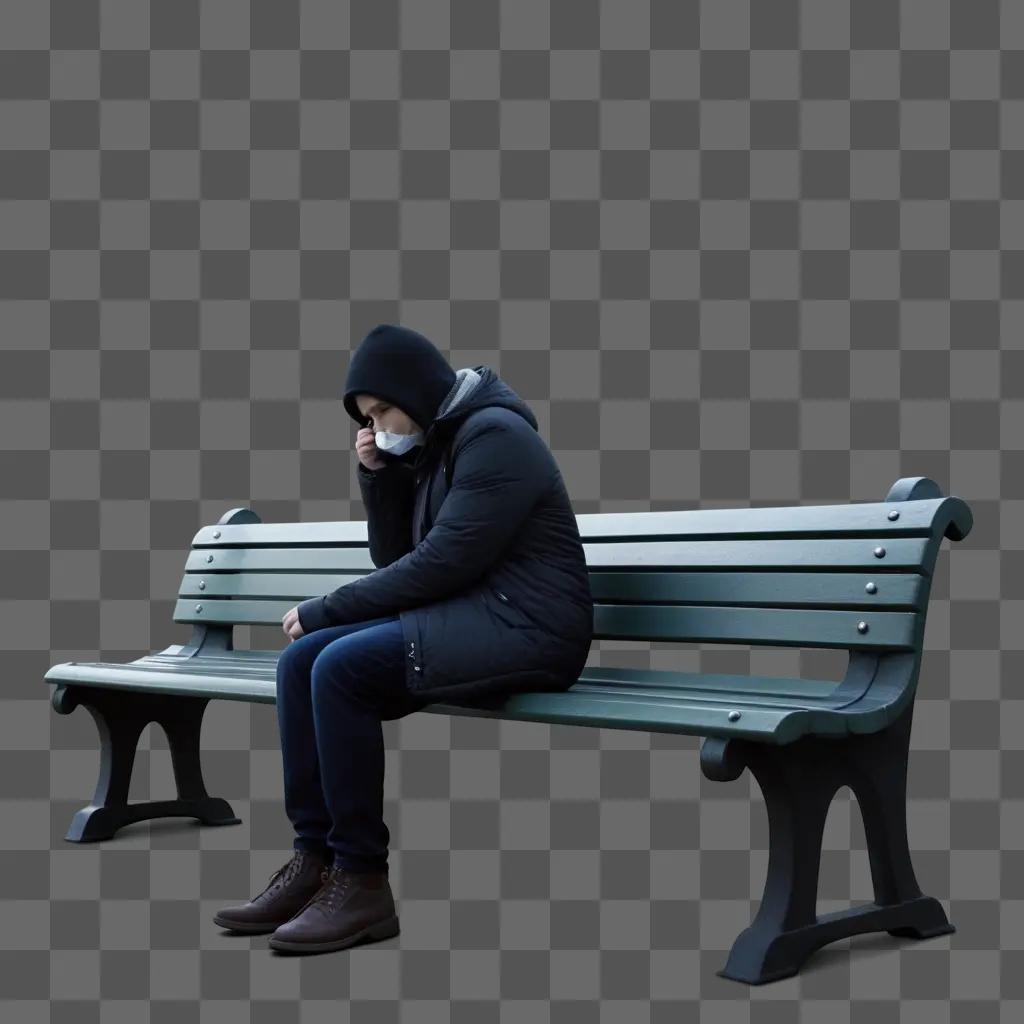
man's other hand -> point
(290, 624)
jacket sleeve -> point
(388, 496)
(498, 476)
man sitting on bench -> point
(481, 590)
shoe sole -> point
(248, 928)
(380, 930)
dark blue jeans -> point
(334, 688)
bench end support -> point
(120, 717)
(798, 782)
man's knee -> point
(296, 658)
(337, 670)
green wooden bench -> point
(853, 577)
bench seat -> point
(772, 709)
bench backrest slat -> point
(780, 521)
(893, 591)
(900, 553)
(693, 624)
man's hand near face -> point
(367, 450)
(290, 624)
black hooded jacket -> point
(489, 578)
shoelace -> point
(284, 874)
(335, 881)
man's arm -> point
(498, 476)
(388, 496)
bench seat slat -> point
(692, 718)
(627, 698)
(204, 666)
(628, 679)
(651, 682)
(199, 680)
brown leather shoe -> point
(351, 908)
(291, 886)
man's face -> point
(385, 416)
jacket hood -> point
(402, 366)
(475, 387)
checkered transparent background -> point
(733, 252)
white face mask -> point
(397, 444)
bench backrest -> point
(854, 576)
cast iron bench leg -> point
(798, 781)
(120, 717)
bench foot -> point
(759, 955)
(798, 781)
(120, 717)
(98, 822)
